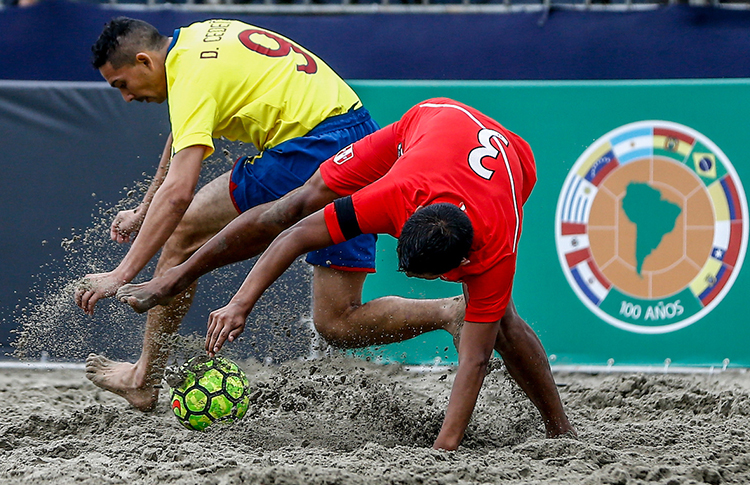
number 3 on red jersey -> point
(485, 137)
(284, 48)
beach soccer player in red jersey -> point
(450, 184)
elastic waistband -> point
(346, 120)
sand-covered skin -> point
(347, 421)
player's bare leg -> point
(210, 211)
(344, 321)
(245, 237)
(526, 361)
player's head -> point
(434, 240)
(121, 39)
(130, 56)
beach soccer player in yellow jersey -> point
(220, 78)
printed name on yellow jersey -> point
(215, 32)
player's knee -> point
(336, 330)
(183, 242)
(333, 334)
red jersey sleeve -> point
(363, 162)
(380, 207)
(372, 210)
(332, 223)
(490, 292)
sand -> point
(337, 420)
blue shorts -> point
(278, 170)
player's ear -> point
(145, 59)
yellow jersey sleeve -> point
(229, 79)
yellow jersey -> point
(229, 79)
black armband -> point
(347, 219)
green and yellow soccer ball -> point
(204, 391)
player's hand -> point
(94, 287)
(126, 225)
(224, 324)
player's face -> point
(140, 81)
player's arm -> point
(474, 353)
(127, 223)
(228, 323)
(168, 206)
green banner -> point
(635, 235)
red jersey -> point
(440, 151)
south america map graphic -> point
(651, 226)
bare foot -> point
(145, 296)
(120, 378)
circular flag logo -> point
(651, 226)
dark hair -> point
(434, 240)
(121, 39)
